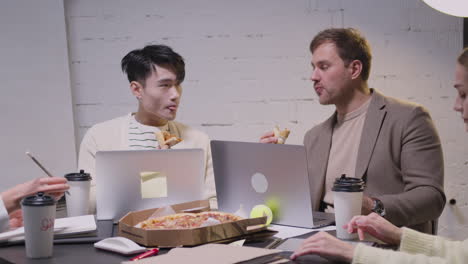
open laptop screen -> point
(249, 174)
(134, 180)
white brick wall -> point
(248, 65)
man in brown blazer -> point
(391, 144)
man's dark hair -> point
(351, 45)
(140, 63)
(463, 58)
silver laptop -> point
(249, 174)
(141, 179)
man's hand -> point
(269, 138)
(327, 246)
(163, 147)
(367, 205)
(376, 226)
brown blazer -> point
(400, 159)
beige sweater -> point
(112, 135)
(415, 248)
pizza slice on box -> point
(220, 216)
(174, 221)
(186, 220)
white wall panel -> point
(35, 103)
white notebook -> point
(63, 227)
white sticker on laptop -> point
(153, 184)
(259, 182)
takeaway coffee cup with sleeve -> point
(39, 218)
(77, 198)
(347, 200)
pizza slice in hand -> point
(166, 139)
(282, 135)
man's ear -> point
(356, 69)
(136, 89)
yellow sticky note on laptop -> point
(153, 184)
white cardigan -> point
(415, 248)
(4, 217)
(112, 135)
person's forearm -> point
(413, 207)
(414, 242)
(370, 255)
(11, 200)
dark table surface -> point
(72, 253)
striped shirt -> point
(142, 136)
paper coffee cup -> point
(77, 198)
(39, 218)
(347, 200)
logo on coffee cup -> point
(47, 223)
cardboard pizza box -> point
(187, 237)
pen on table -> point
(146, 254)
(40, 166)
